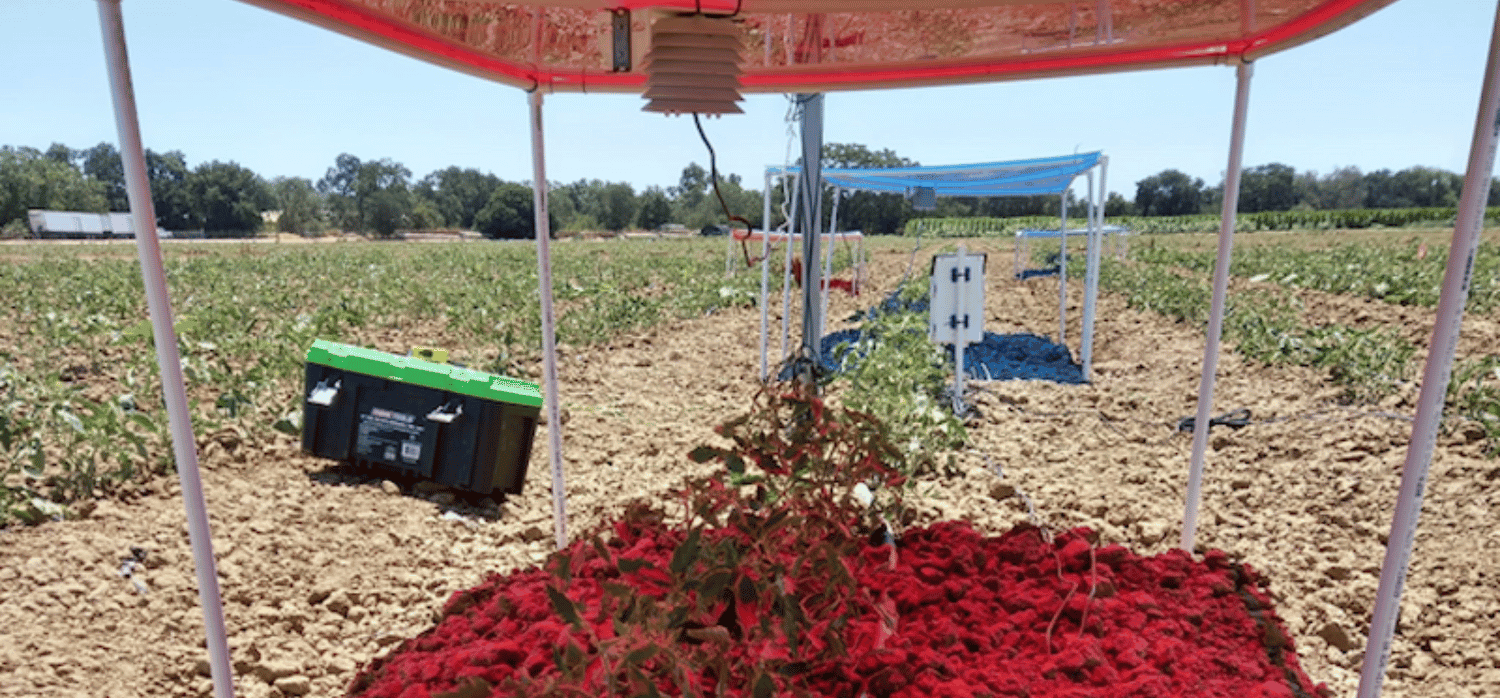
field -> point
(324, 570)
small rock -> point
(444, 499)
(1152, 531)
(271, 670)
(338, 602)
(1002, 490)
(1334, 635)
(1337, 572)
(356, 613)
(201, 667)
(294, 685)
(340, 665)
(387, 638)
(533, 534)
(389, 487)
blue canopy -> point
(1014, 178)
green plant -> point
(1264, 325)
(747, 573)
(1474, 394)
(78, 338)
(896, 373)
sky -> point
(223, 80)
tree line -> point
(381, 197)
(378, 197)
(1279, 187)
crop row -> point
(1349, 219)
(1264, 323)
(82, 402)
(1405, 274)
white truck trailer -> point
(80, 224)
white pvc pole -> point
(962, 294)
(168, 357)
(1435, 376)
(833, 237)
(1062, 265)
(549, 322)
(1216, 310)
(859, 272)
(786, 275)
(1091, 281)
(1016, 265)
(765, 272)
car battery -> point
(459, 427)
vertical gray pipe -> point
(810, 190)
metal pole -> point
(1091, 280)
(833, 237)
(811, 190)
(765, 268)
(549, 321)
(1062, 269)
(1216, 310)
(168, 357)
(1435, 376)
(729, 256)
(786, 273)
(959, 338)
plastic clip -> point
(324, 394)
(441, 417)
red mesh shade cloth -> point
(820, 45)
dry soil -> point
(323, 569)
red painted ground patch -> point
(959, 616)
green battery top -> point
(407, 369)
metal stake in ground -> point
(810, 191)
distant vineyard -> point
(1200, 223)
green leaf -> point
(764, 687)
(649, 690)
(602, 549)
(641, 655)
(470, 687)
(290, 423)
(734, 463)
(715, 585)
(703, 454)
(565, 608)
(686, 553)
(747, 593)
(631, 564)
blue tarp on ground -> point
(999, 357)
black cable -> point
(713, 170)
(1234, 420)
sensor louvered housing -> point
(693, 66)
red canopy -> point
(819, 45)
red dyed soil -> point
(1010, 615)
